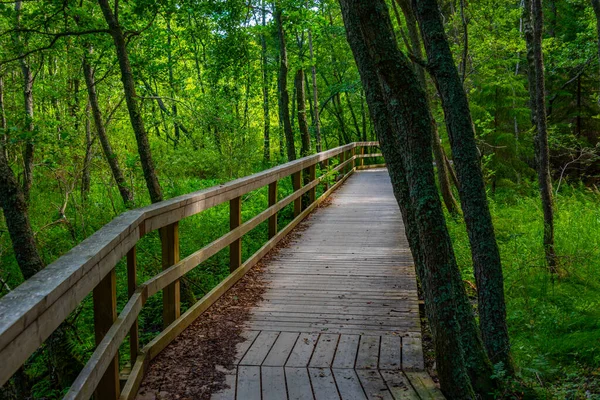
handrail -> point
(32, 311)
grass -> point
(553, 319)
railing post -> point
(342, 159)
(352, 154)
(235, 220)
(326, 168)
(272, 202)
(362, 153)
(312, 175)
(134, 343)
(105, 313)
(297, 184)
(170, 256)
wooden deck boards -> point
(340, 317)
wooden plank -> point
(368, 352)
(399, 385)
(322, 356)
(298, 384)
(242, 347)
(302, 351)
(273, 383)
(248, 383)
(260, 348)
(281, 350)
(374, 385)
(272, 202)
(323, 384)
(424, 385)
(170, 255)
(345, 355)
(105, 313)
(348, 384)
(412, 354)
(235, 220)
(390, 355)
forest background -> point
(207, 78)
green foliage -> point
(554, 320)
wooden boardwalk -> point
(340, 317)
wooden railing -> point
(31, 312)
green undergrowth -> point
(553, 319)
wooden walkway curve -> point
(340, 317)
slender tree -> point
(111, 157)
(27, 75)
(265, 87)
(137, 123)
(484, 249)
(542, 154)
(596, 7)
(284, 97)
(438, 151)
(315, 93)
(302, 121)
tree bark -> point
(265, 89)
(28, 151)
(484, 249)
(3, 122)
(135, 116)
(315, 94)
(402, 120)
(87, 160)
(542, 153)
(111, 157)
(438, 150)
(284, 97)
(596, 7)
(528, 30)
(302, 121)
(17, 221)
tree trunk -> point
(315, 94)
(404, 127)
(438, 150)
(284, 97)
(28, 151)
(528, 30)
(3, 122)
(172, 85)
(135, 116)
(265, 89)
(542, 153)
(17, 221)
(302, 122)
(484, 249)
(596, 7)
(87, 160)
(111, 157)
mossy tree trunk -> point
(484, 249)
(402, 120)
(438, 151)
